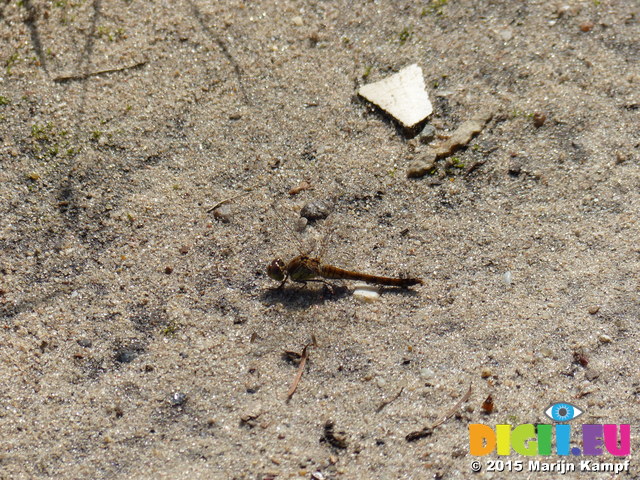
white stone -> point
(402, 95)
(365, 293)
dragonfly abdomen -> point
(331, 272)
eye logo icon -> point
(562, 412)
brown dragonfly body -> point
(304, 269)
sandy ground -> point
(140, 335)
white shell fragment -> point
(366, 293)
(402, 95)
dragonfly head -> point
(276, 270)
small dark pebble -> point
(335, 439)
(177, 399)
(126, 356)
(168, 270)
(581, 358)
(417, 435)
(240, 320)
(487, 405)
(316, 210)
(184, 249)
(539, 119)
(427, 134)
(290, 357)
(84, 342)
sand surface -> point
(141, 337)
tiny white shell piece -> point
(402, 95)
(366, 286)
(366, 293)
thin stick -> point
(303, 362)
(84, 76)
(427, 431)
(453, 409)
(230, 199)
(387, 402)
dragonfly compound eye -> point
(275, 270)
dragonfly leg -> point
(328, 285)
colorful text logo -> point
(529, 439)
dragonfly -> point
(305, 268)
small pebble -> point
(515, 167)
(507, 278)
(126, 356)
(539, 119)
(546, 352)
(605, 338)
(301, 224)
(428, 134)
(168, 270)
(486, 373)
(381, 382)
(297, 21)
(591, 374)
(184, 249)
(84, 342)
(593, 309)
(222, 214)
(621, 158)
(586, 26)
(506, 34)
(177, 399)
(250, 413)
(366, 296)
(420, 168)
(488, 405)
(426, 373)
(316, 210)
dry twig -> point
(425, 432)
(303, 362)
(83, 76)
(387, 402)
(230, 199)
